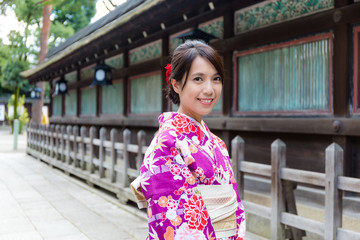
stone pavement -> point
(39, 202)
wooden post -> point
(83, 131)
(62, 143)
(113, 137)
(57, 134)
(37, 137)
(68, 147)
(92, 136)
(75, 146)
(47, 133)
(141, 142)
(278, 161)
(125, 179)
(333, 197)
(52, 131)
(237, 155)
(102, 152)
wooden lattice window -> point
(145, 93)
(56, 105)
(112, 101)
(289, 78)
(88, 101)
(71, 103)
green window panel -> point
(214, 27)
(293, 78)
(71, 77)
(146, 94)
(56, 105)
(270, 12)
(147, 52)
(88, 101)
(116, 62)
(87, 73)
(71, 103)
(112, 99)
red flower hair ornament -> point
(168, 73)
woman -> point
(186, 176)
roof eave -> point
(97, 34)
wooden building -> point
(292, 72)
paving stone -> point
(56, 228)
(39, 202)
(33, 235)
(15, 224)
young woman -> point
(186, 176)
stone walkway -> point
(38, 202)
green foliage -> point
(10, 77)
(21, 112)
(28, 11)
(59, 32)
(68, 16)
(74, 13)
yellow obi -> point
(221, 203)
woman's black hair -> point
(182, 59)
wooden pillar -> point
(238, 155)
(333, 196)
(341, 78)
(75, 146)
(141, 142)
(125, 179)
(92, 136)
(165, 54)
(62, 156)
(78, 93)
(228, 63)
(278, 161)
(102, 152)
(68, 146)
(126, 84)
(113, 138)
(83, 131)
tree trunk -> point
(44, 36)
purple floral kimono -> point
(182, 155)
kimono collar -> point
(183, 124)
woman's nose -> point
(208, 87)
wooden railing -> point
(283, 210)
(112, 164)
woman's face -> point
(201, 91)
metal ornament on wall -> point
(196, 33)
(102, 75)
(61, 87)
(35, 93)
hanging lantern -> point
(61, 87)
(35, 93)
(102, 75)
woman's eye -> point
(217, 79)
(197, 79)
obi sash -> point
(221, 203)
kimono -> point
(183, 155)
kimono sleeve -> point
(174, 207)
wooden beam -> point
(312, 24)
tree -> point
(68, 16)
